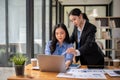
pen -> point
(63, 53)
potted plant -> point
(19, 63)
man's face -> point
(76, 20)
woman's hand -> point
(74, 61)
(71, 50)
(67, 64)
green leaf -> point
(19, 59)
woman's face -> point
(60, 35)
(76, 20)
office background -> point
(26, 25)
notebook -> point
(51, 63)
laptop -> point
(51, 63)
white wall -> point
(116, 6)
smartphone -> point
(118, 72)
(74, 66)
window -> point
(17, 25)
(3, 56)
(37, 26)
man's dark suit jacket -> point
(90, 53)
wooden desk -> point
(37, 75)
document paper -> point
(83, 74)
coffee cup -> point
(34, 62)
(116, 63)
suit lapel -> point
(84, 30)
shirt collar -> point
(63, 45)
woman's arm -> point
(68, 63)
(69, 57)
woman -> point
(87, 51)
(60, 43)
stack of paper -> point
(113, 73)
(83, 74)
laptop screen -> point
(51, 63)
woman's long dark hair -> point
(54, 40)
(75, 12)
(85, 16)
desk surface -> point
(37, 75)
